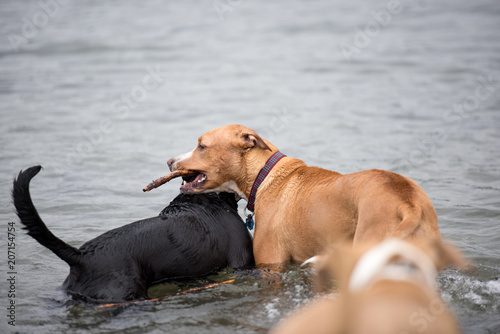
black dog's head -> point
(224, 200)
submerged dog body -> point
(383, 288)
(300, 209)
(193, 236)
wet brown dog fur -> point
(301, 209)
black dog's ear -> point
(250, 139)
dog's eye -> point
(201, 147)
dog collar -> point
(270, 163)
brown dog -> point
(300, 209)
(385, 288)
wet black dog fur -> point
(192, 237)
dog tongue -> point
(199, 179)
(166, 178)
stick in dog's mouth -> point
(186, 173)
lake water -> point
(102, 93)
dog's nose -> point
(170, 162)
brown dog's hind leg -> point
(409, 225)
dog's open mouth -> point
(190, 182)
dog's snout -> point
(170, 163)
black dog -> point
(193, 236)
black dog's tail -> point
(32, 221)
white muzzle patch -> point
(180, 158)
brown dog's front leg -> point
(269, 255)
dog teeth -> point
(201, 180)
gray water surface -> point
(102, 93)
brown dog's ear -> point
(250, 139)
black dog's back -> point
(193, 236)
